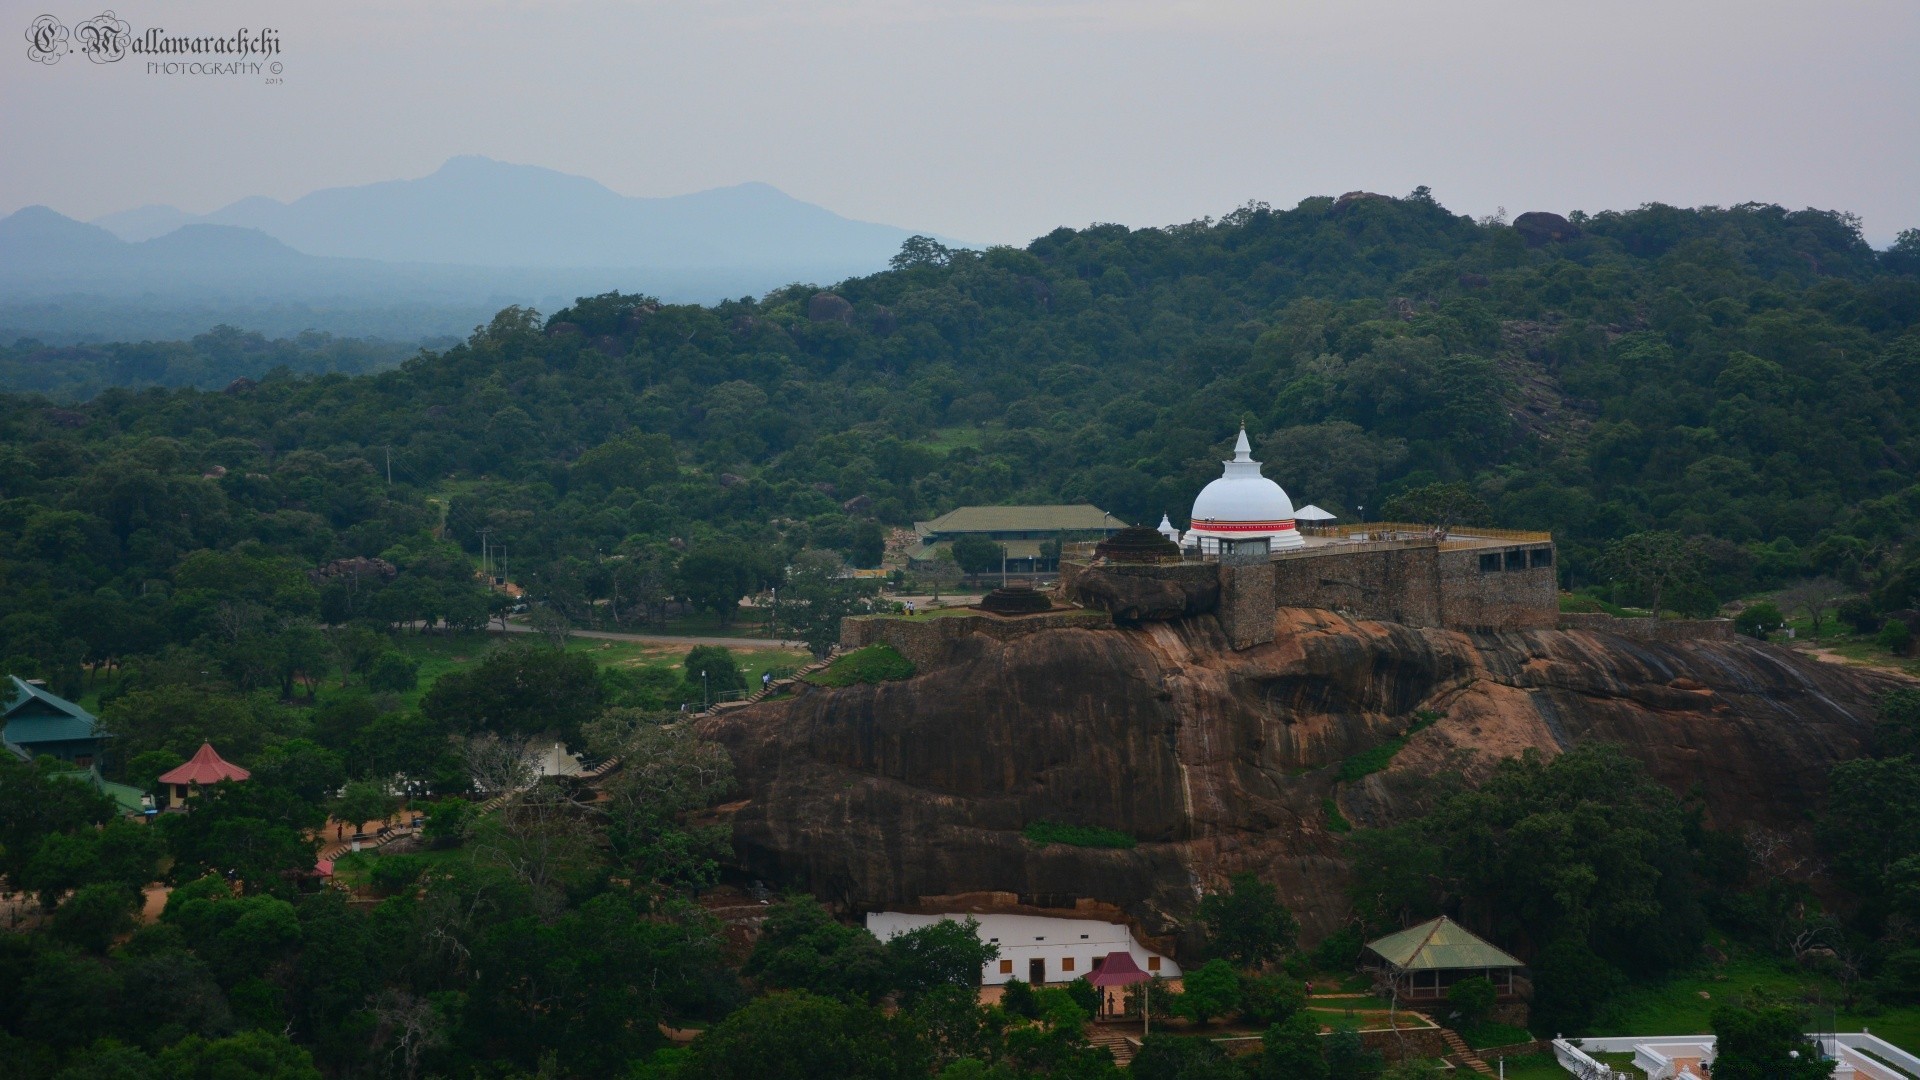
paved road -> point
(669, 639)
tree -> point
(869, 545)
(1348, 1057)
(393, 672)
(1439, 505)
(1211, 990)
(802, 947)
(1270, 998)
(95, 915)
(947, 953)
(257, 1055)
(261, 834)
(717, 577)
(798, 1036)
(1291, 1050)
(1653, 563)
(1247, 924)
(1171, 1057)
(711, 671)
(978, 555)
(817, 596)
(37, 803)
(1759, 619)
(1815, 597)
(668, 775)
(1471, 1000)
(364, 800)
(519, 691)
(1764, 1040)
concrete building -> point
(1037, 948)
(39, 722)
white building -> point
(1243, 511)
(1036, 948)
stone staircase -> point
(1115, 1038)
(767, 691)
(1461, 1054)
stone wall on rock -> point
(1649, 629)
(930, 642)
(1246, 600)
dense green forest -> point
(205, 558)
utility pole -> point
(389, 466)
(486, 568)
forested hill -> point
(1746, 374)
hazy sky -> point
(996, 121)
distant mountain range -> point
(475, 235)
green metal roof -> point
(1078, 517)
(31, 730)
(125, 796)
(1440, 944)
(37, 715)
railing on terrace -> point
(1407, 530)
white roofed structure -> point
(1243, 509)
(1313, 514)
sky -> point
(995, 121)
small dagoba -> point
(1167, 530)
(1016, 598)
(1243, 512)
(1137, 543)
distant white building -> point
(1037, 948)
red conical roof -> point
(206, 767)
(1118, 969)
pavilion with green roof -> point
(39, 722)
(1423, 962)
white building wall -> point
(1023, 939)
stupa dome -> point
(1244, 505)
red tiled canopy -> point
(1118, 969)
(206, 767)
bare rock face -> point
(827, 307)
(1219, 761)
(1135, 598)
(1541, 228)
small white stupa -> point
(1167, 530)
(1243, 509)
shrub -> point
(873, 664)
(1213, 990)
(1018, 1000)
(1758, 620)
(1471, 999)
(1093, 836)
(1266, 1000)
(448, 822)
(396, 873)
(393, 672)
(1895, 637)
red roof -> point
(1118, 969)
(206, 767)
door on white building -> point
(1036, 971)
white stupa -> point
(1243, 508)
(1167, 530)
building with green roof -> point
(1023, 530)
(1423, 962)
(39, 722)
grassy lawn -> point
(951, 438)
(1535, 1067)
(356, 868)
(1677, 1008)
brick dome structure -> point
(1016, 598)
(1137, 543)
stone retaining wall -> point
(1649, 629)
(928, 641)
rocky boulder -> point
(1540, 228)
(1220, 761)
(1137, 598)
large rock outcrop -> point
(1220, 761)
